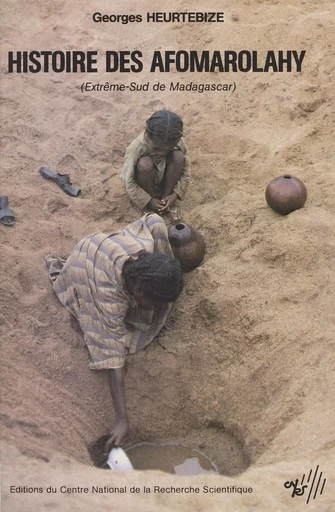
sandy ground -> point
(246, 368)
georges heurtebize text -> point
(162, 61)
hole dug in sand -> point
(222, 454)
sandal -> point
(62, 180)
(173, 214)
(6, 215)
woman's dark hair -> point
(158, 275)
(165, 126)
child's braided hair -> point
(158, 275)
(165, 127)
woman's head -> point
(153, 278)
(164, 128)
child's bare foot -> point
(173, 214)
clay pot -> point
(187, 244)
(286, 194)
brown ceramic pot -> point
(286, 194)
(187, 244)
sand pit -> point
(245, 369)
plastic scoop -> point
(118, 460)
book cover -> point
(242, 376)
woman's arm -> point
(121, 427)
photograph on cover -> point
(167, 255)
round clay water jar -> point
(286, 194)
(187, 244)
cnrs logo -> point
(309, 485)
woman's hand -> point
(117, 435)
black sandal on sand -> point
(62, 180)
(6, 215)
